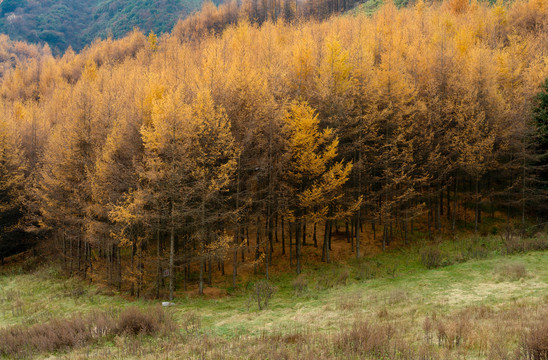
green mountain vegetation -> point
(76, 23)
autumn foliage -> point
(148, 157)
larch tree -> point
(11, 186)
(315, 179)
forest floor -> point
(480, 302)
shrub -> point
(343, 277)
(431, 257)
(366, 271)
(366, 339)
(58, 334)
(513, 244)
(428, 326)
(300, 284)
(133, 321)
(262, 293)
(535, 342)
(511, 272)
(191, 322)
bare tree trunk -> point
(325, 250)
(257, 244)
(304, 232)
(298, 246)
(158, 264)
(314, 236)
(358, 234)
(455, 204)
(202, 243)
(283, 237)
(476, 220)
(429, 213)
(291, 225)
(119, 261)
(172, 257)
(132, 288)
(78, 253)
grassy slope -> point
(325, 307)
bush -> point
(300, 284)
(535, 342)
(191, 322)
(366, 271)
(514, 243)
(262, 293)
(133, 321)
(512, 272)
(343, 277)
(365, 339)
(431, 257)
(58, 334)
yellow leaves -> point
(464, 39)
(303, 66)
(153, 41)
(19, 111)
(153, 93)
(459, 6)
(335, 70)
(220, 245)
(310, 151)
(90, 71)
(327, 188)
(500, 12)
(311, 165)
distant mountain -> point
(76, 23)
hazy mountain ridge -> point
(63, 23)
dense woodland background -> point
(76, 23)
(251, 131)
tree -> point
(213, 159)
(11, 185)
(315, 179)
(540, 117)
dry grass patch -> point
(77, 331)
(511, 272)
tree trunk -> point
(291, 225)
(158, 264)
(455, 208)
(283, 237)
(172, 258)
(314, 236)
(298, 246)
(476, 220)
(358, 234)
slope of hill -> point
(491, 308)
(63, 23)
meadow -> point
(467, 298)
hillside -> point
(76, 23)
(490, 307)
(269, 181)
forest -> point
(155, 163)
(76, 23)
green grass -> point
(409, 294)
